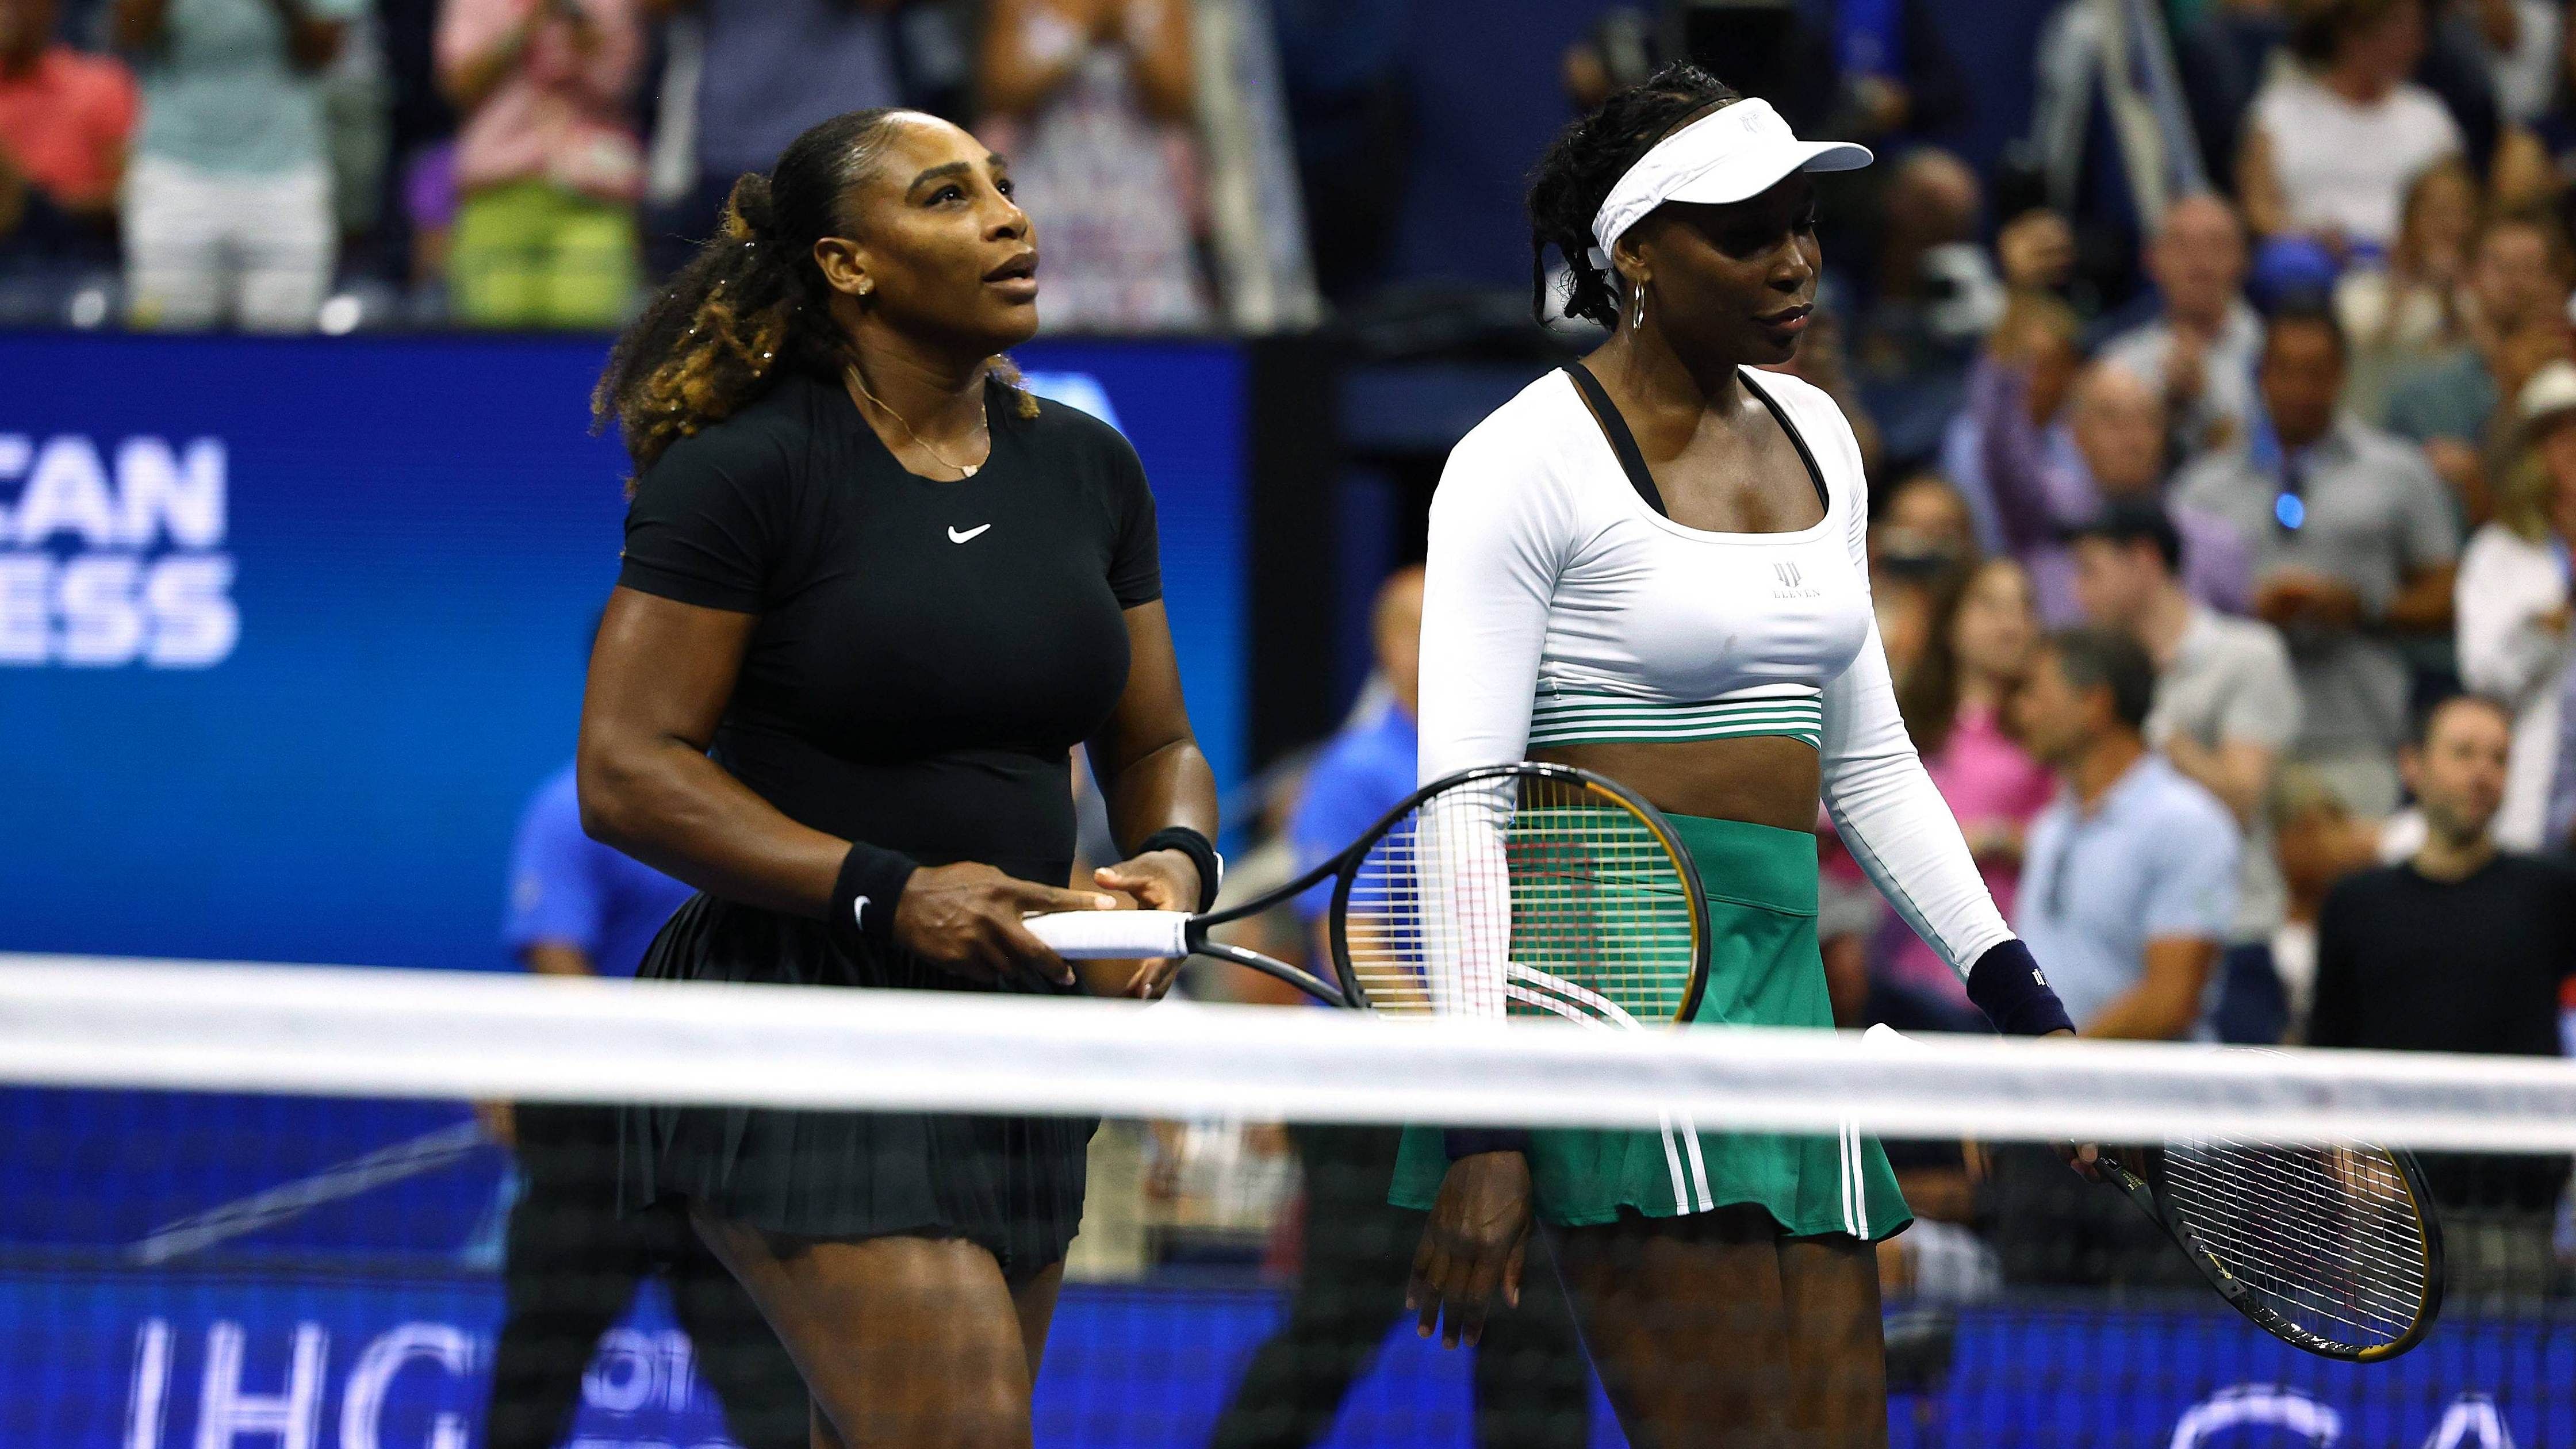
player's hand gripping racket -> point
(1517, 890)
(2333, 1249)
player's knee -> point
(990, 1416)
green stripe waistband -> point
(1560, 719)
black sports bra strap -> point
(1622, 442)
(1632, 462)
(1780, 415)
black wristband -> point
(864, 895)
(1470, 1141)
(1201, 853)
(2007, 985)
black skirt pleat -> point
(1012, 1184)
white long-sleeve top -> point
(1559, 606)
(2507, 586)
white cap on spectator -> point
(2549, 397)
(1734, 153)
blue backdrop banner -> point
(122, 1360)
(289, 630)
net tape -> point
(72, 1021)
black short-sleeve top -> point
(927, 652)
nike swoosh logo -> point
(955, 537)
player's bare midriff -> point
(1761, 780)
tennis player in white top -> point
(1650, 565)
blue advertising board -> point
(290, 629)
(125, 1360)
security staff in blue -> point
(573, 1263)
(1533, 1387)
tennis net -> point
(304, 1206)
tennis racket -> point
(1508, 890)
(2333, 1249)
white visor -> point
(1734, 153)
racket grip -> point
(1112, 935)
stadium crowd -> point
(2223, 426)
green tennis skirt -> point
(1764, 970)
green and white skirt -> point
(1764, 970)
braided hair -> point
(751, 305)
(1587, 158)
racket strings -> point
(2327, 1235)
(1523, 895)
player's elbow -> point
(613, 781)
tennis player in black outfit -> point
(873, 595)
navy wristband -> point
(864, 895)
(1469, 1141)
(1202, 854)
(2007, 985)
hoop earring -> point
(1637, 313)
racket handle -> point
(1112, 935)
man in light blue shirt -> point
(2128, 883)
(2128, 887)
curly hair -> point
(751, 305)
(1587, 158)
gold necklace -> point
(963, 470)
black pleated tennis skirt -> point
(1012, 1184)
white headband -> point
(1734, 153)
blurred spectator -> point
(2126, 895)
(1092, 101)
(2560, 828)
(767, 70)
(1980, 632)
(64, 121)
(2319, 841)
(2537, 157)
(228, 206)
(548, 167)
(2128, 886)
(2334, 140)
(2112, 134)
(2522, 41)
(2110, 448)
(2513, 599)
(2036, 341)
(1533, 1385)
(1933, 292)
(573, 1260)
(2518, 279)
(2199, 350)
(2462, 948)
(2406, 312)
(2353, 542)
(1923, 531)
(2226, 705)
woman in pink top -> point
(547, 160)
(1984, 623)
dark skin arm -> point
(2294, 596)
(660, 677)
(310, 44)
(1152, 776)
(136, 24)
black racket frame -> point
(2143, 1185)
